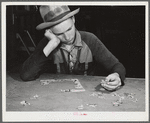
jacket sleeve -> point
(35, 64)
(103, 56)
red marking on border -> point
(77, 113)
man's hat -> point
(53, 15)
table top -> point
(34, 96)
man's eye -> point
(69, 29)
(58, 34)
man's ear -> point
(73, 18)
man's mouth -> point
(69, 41)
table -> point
(50, 97)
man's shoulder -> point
(88, 37)
(86, 34)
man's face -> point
(65, 31)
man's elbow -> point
(27, 77)
(24, 77)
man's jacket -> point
(93, 58)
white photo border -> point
(69, 116)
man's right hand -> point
(51, 37)
(52, 44)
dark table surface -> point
(38, 97)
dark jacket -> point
(103, 61)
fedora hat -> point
(53, 15)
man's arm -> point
(108, 60)
(32, 67)
(36, 63)
(103, 56)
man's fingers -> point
(49, 34)
(109, 87)
(114, 83)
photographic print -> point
(75, 61)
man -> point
(72, 51)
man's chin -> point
(69, 42)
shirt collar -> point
(77, 42)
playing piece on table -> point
(24, 103)
(80, 107)
(66, 90)
(98, 95)
(92, 105)
(131, 97)
(34, 97)
(116, 103)
(74, 90)
(114, 94)
(134, 100)
(93, 94)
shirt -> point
(70, 56)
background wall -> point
(120, 28)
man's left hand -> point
(112, 82)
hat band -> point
(56, 18)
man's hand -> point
(52, 44)
(112, 82)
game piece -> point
(44, 83)
(78, 87)
(34, 97)
(119, 101)
(80, 107)
(133, 94)
(76, 81)
(130, 96)
(134, 100)
(139, 89)
(24, 103)
(47, 81)
(92, 105)
(116, 103)
(102, 97)
(73, 90)
(93, 94)
(114, 94)
(62, 90)
(99, 95)
(122, 98)
(66, 90)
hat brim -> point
(49, 24)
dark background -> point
(120, 28)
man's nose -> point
(66, 36)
